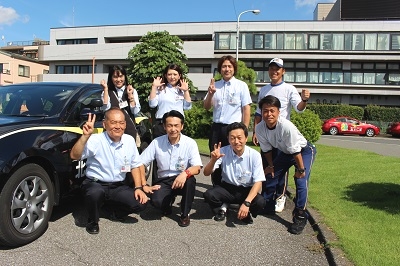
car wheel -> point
(333, 131)
(369, 132)
(149, 168)
(26, 202)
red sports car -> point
(394, 129)
(349, 125)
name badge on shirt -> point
(126, 168)
(179, 97)
(244, 177)
(123, 104)
(180, 165)
(232, 100)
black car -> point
(39, 124)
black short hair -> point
(237, 125)
(269, 100)
(173, 113)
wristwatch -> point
(300, 170)
(247, 203)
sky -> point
(25, 20)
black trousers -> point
(228, 193)
(218, 134)
(161, 199)
(116, 196)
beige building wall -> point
(18, 70)
(322, 10)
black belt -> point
(118, 183)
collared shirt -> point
(228, 100)
(106, 159)
(120, 92)
(172, 159)
(170, 98)
(285, 136)
(242, 170)
(287, 95)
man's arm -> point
(208, 169)
(246, 115)
(77, 150)
(257, 119)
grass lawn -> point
(358, 195)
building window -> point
(270, 41)
(199, 69)
(326, 41)
(77, 41)
(301, 76)
(369, 78)
(338, 42)
(23, 71)
(289, 41)
(258, 41)
(383, 41)
(370, 41)
(289, 76)
(313, 41)
(395, 42)
(224, 40)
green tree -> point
(148, 59)
(245, 74)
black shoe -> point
(220, 216)
(184, 221)
(116, 218)
(92, 228)
(247, 219)
(299, 222)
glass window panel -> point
(347, 41)
(301, 41)
(393, 66)
(337, 77)
(369, 78)
(394, 79)
(326, 41)
(325, 77)
(246, 41)
(338, 42)
(355, 65)
(260, 76)
(270, 41)
(300, 64)
(380, 78)
(324, 65)
(248, 64)
(59, 69)
(289, 76)
(395, 42)
(288, 65)
(258, 41)
(383, 41)
(336, 65)
(312, 77)
(370, 41)
(357, 78)
(346, 77)
(313, 41)
(368, 66)
(380, 66)
(301, 76)
(312, 65)
(223, 41)
(279, 41)
(358, 42)
(289, 41)
(258, 64)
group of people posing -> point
(115, 183)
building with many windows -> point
(352, 62)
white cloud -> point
(8, 15)
(313, 3)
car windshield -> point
(32, 100)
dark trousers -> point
(162, 198)
(218, 134)
(282, 183)
(282, 163)
(116, 195)
(227, 193)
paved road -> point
(384, 145)
(150, 239)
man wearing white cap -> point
(289, 97)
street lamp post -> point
(255, 11)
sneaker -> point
(280, 204)
(299, 222)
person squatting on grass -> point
(275, 131)
(242, 176)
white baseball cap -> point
(277, 61)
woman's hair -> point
(173, 67)
(230, 59)
(118, 69)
